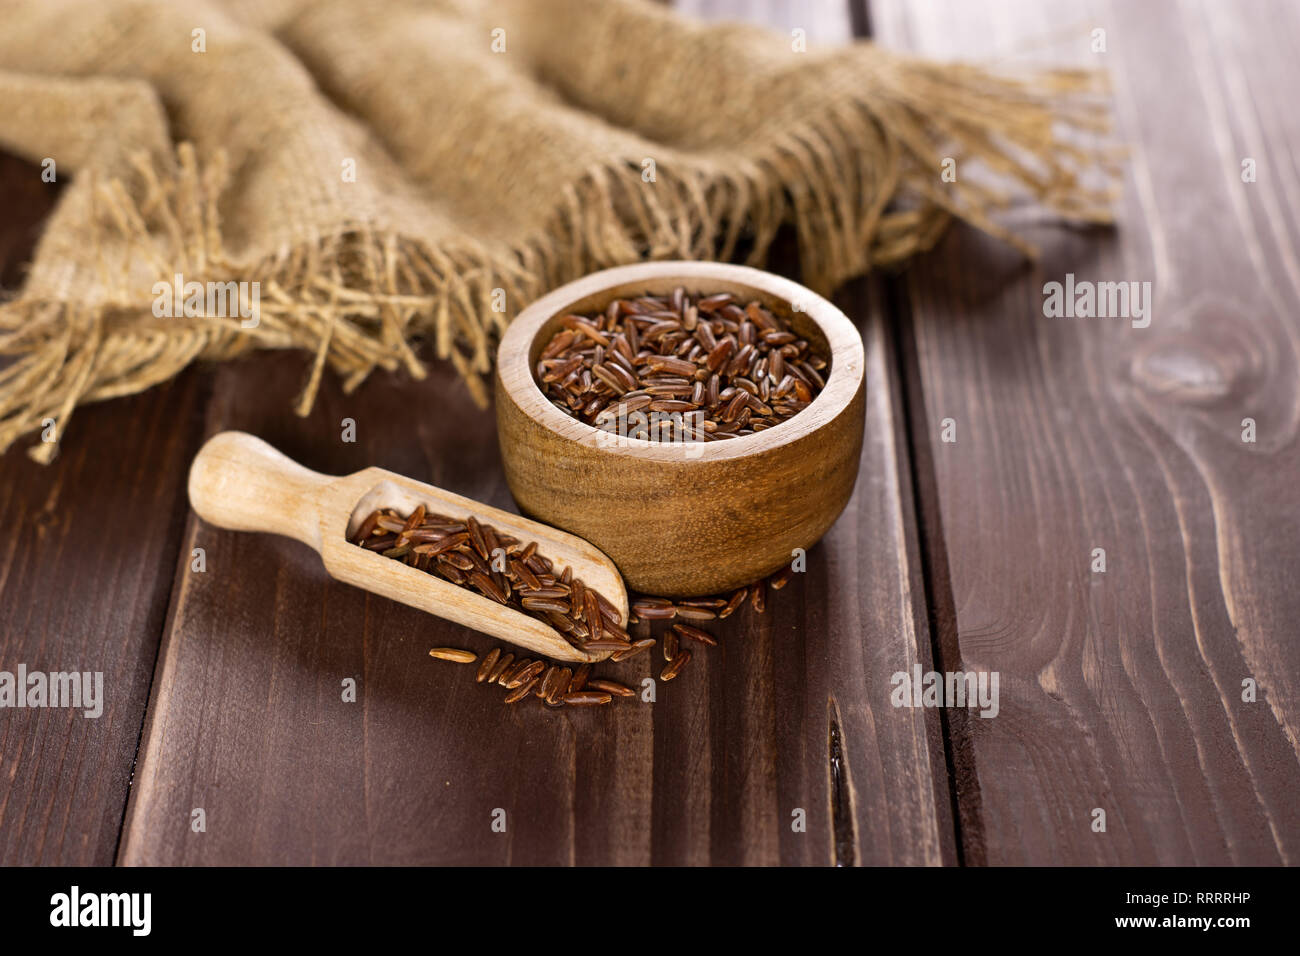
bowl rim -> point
(847, 361)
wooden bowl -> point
(691, 518)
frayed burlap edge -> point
(860, 182)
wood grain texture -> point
(1120, 691)
(791, 712)
(737, 508)
(1123, 690)
(87, 548)
(247, 720)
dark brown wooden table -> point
(1120, 691)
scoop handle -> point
(238, 481)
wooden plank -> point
(791, 713)
(823, 21)
(1123, 691)
(27, 201)
(87, 548)
(247, 719)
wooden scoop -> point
(240, 482)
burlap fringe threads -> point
(861, 184)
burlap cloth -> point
(476, 169)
